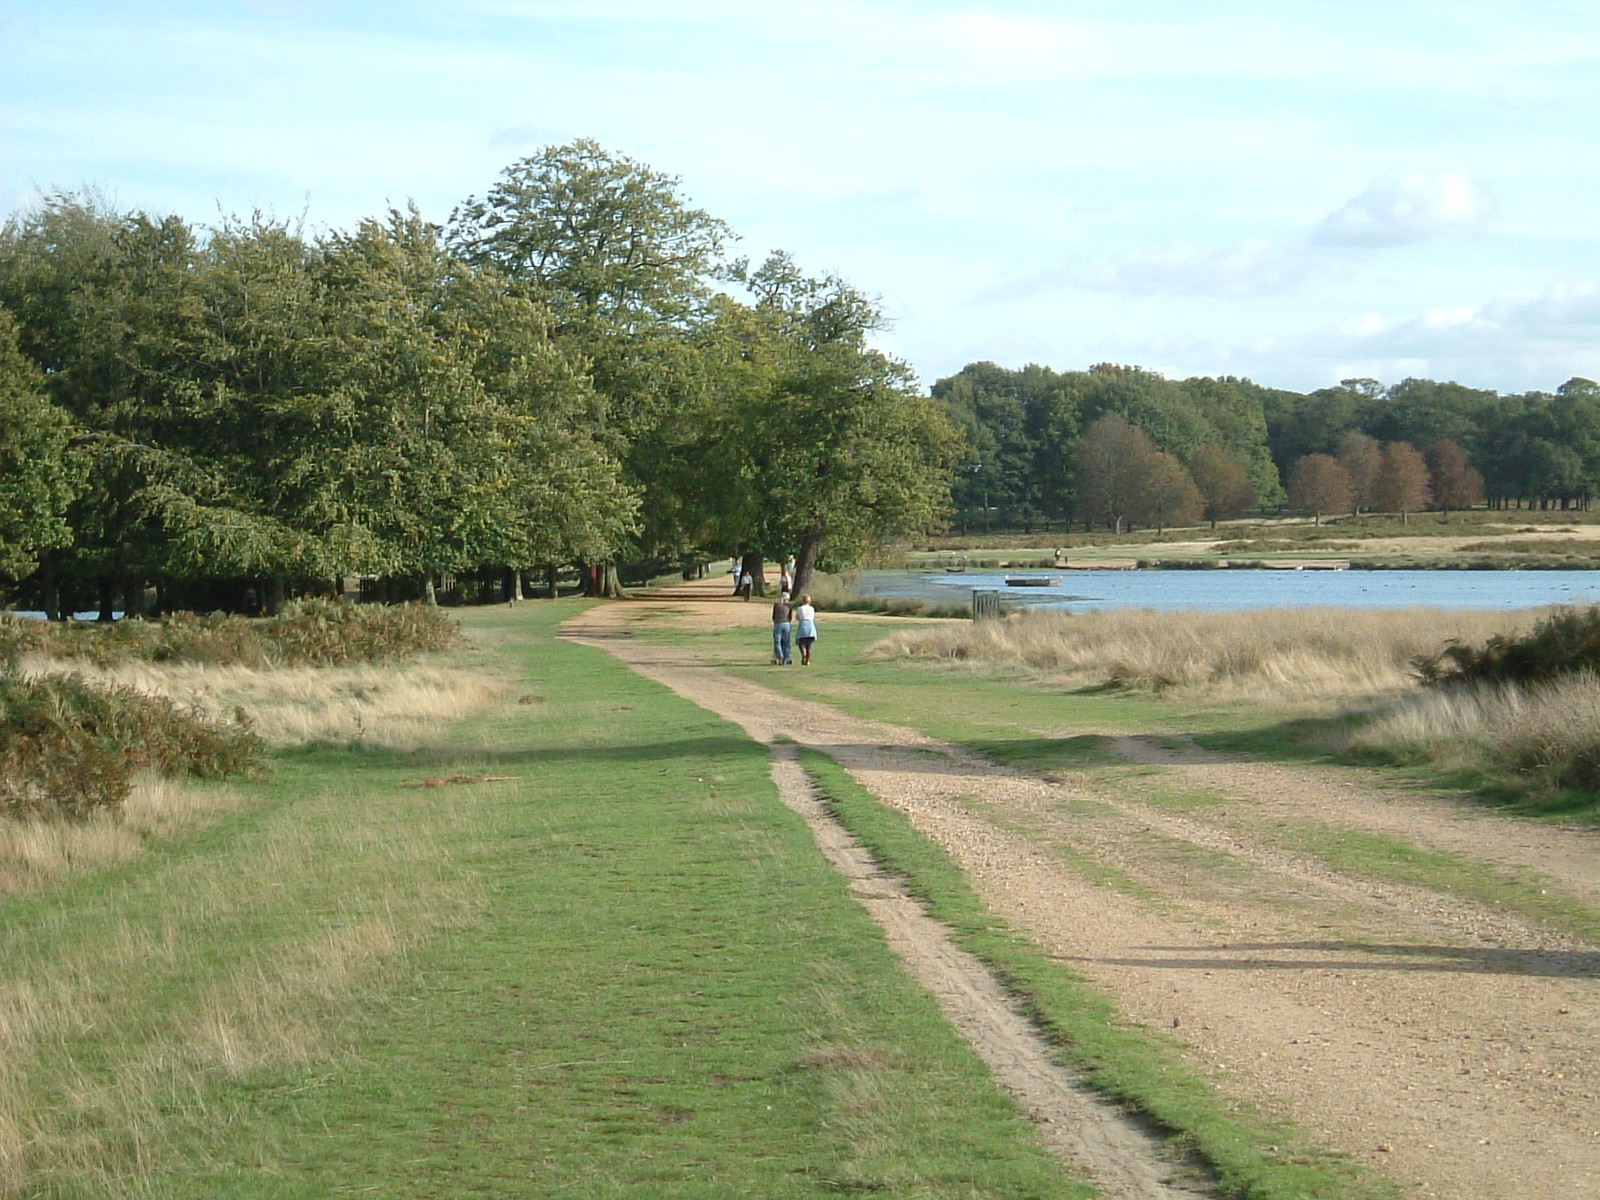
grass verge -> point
(1253, 1156)
(1499, 887)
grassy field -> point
(1480, 539)
(572, 946)
(569, 944)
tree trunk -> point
(611, 586)
(52, 598)
(550, 572)
(756, 572)
(277, 593)
(805, 562)
(430, 594)
(107, 594)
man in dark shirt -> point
(782, 612)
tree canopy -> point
(559, 375)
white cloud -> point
(1514, 342)
(527, 138)
(1253, 267)
(1412, 206)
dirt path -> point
(1449, 1045)
(1117, 1154)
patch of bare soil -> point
(1450, 1045)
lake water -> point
(1231, 589)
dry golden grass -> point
(1301, 656)
(34, 854)
(1550, 731)
(273, 1003)
(377, 706)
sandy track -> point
(1451, 1046)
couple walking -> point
(801, 620)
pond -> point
(1231, 589)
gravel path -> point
(1447, 1044)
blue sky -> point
(1298, 192)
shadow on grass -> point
(1359, 956)
(445, 756)
(1084, 750)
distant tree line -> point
(569, 372)
(1121, 446)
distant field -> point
(1476, 539)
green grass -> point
(1504, 888)
(624, 972)
(1252, 1155)
(1184, 799)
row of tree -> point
(1026, 432)
(573, 370)
(1392, 478)
(569, 371)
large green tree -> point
(109, 306)
(40, 472)
(856, 453)
(623, 262)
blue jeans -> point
(780, 641)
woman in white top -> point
(805, 629)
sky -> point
(1295, 191)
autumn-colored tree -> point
(1402, 481)
(1114, 464)
(1224, 487)
(1362, 456)
(1168, 495)
(1456, 483)
(1318, 482)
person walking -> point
(782, 615)
(805, 629)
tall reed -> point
(1546, 734)
(1277, 655)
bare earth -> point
(1448, 1045)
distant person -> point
(748, 585)
(738, 569)
(805, 629)
(785, 579)
(782, 615)
(251, 607)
